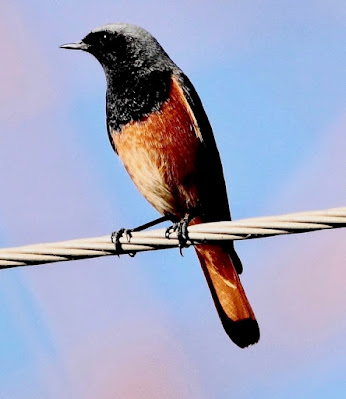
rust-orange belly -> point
(160, 154)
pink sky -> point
(122, 327)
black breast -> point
(131, 97)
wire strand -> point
(244, 229)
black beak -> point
(76, 46)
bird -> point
(158, 127)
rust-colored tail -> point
(229, 297)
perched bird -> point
(157, 125)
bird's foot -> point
(115, 237)
(180, 228)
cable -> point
(155, 239)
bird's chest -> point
(159, 152)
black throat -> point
(132, 96)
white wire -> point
(155, 239)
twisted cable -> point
(244, 229)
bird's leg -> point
(116, 235)
(180, 228)
(153, 223)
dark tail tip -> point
(243, 332)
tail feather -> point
(229, 297)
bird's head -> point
(122, 47)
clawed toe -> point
(170, 230)
(117, 235)
(182, 232)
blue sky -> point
(271, 76)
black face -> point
(121, 46)
(107, 46)
(138, 71)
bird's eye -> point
(105, 36)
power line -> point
(149, 240)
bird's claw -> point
(182, 233)
(170, 230)
(115, 237)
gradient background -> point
(271, 75)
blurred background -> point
(271, 75)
